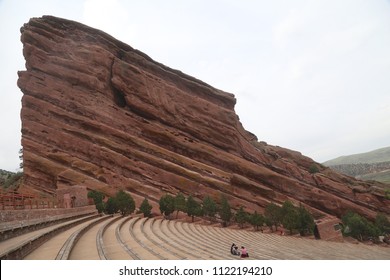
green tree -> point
(382, 223)
(125, 202)
(167, 205)
(180, 203)
(273, 216)
(241, 217)
(290, 216)
(225, 211)
(305, 221)
(256, 220)
(111, 206)
(313, 169)
(193, 208)
(101, 207)
(359, 227)
(96, 196)
(146, 208)
(210, 208)
(97, 199)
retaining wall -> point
(22, 218)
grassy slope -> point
(383, 177)
(379, 155)
(376, 156)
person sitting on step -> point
(234, 250)
(244, 252)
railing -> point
(12, 200)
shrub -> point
(383, 224)
(273, 216)
(180, 203)
(111, 206)
(313, 169)
(359, 227)
(193, 208)
(125, 203)
(305, 221)
(256, 220)
(290, 216)
(101, 207)
(225, 211)
(241, 217)
(210, 208)
(97, 199)
(146, 208)
(167, 205)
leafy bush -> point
(359, 227)
(97, 199)
(167, 205)
(146, 208)
(383, 224)
(241, 217)
(225, 211)
(193, 208)
(313, 169)
(290, 216)
(210, 208)
(293, 218)
(111, 206)
(125, 203)
(273, 216)
(256, 220)
(180, 203)
(305, 221)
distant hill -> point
(10, 180)
(379, 155)
(374, 165)
(4, 175)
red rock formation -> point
(99, 113)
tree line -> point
(122, 202)
(295, 219)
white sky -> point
(312, 76)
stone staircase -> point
(97, 237)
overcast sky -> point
(312, 76)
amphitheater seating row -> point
(139, 238)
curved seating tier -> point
(139, 238)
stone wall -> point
(72, 196)
(18, 218)
(329, 230)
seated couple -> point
(234, 251)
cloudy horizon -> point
(310, 76)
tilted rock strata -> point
(99, 113)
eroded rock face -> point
(98, 113)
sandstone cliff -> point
(99, 113)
